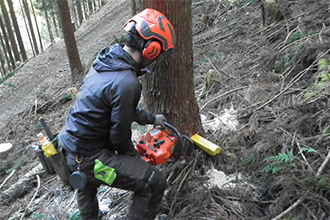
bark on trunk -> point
(170, 89)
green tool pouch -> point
(104, 173)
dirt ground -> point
(263, 94)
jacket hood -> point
(114, 58)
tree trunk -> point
(49, 28)
(80, 11)
(133, 5)
(77, 70)
(270, 12)
(10, 31)
(7, 50)
(3, 68)
(27, 27)
(90, 7)
(170, 89)
(17, 30)
(28, 17)
(37, 26)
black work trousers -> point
(133, 174)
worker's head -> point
(150, 33)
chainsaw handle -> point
(180, 142)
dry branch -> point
(224, 94)
(319, 171)
(294, 205)
(22, 182)
(8, 177)
(35, 194)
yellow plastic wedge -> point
(206, 145)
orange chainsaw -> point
(159, 146)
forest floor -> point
(263, 94)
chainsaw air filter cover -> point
(157, 146)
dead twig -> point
(292, 81)
(216, 68)
(179, 188)
(215, 40)
(8, 177)
(224, 94)
(294, 205)
(35, 194)
(319, 171)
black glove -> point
(159, 121)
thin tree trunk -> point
(133, 4)
(85, 8)
(77, 70)
(10, 31)
(49, 28)
(11, 61)
(90, 7)
(73, 14)
(170, 90)
(28, 17)
(3, 72)
(54, 19)
(4, 52)
(27, 28)
(37, 27)
(17, 30)
(80, 12)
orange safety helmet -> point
(156, 29)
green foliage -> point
(323, 183)
(9, 84)
(322, 64)
(249, 160)
(18, 165)
(75, 215)
(4, 79)
(296, 36)
(234, 23)
(208, 57)
(66, 98)
(323, 77)
(283, 161)
(241, 3)
(37, 215)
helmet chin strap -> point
(160, 59)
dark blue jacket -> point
(106, 106)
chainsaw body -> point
(159, 146)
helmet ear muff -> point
(151, 50)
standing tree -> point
(49, 27)
(79, 11)
(170, 89)
(77, 69)
(10, 31)
(29, 20)
(37, 26)
(17, 30)
(6, 46)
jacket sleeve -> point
(143, 117)
(125, 97)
